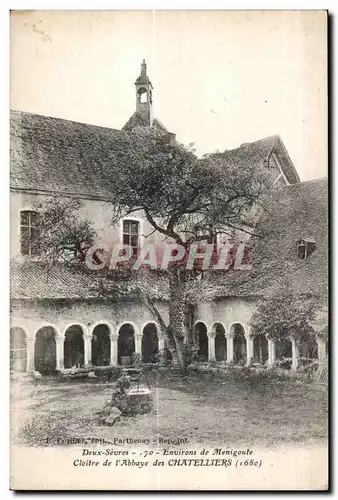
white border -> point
(98, 5)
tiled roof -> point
(260, 151)
(34, 280)
(52, 154)
(298, 211)
(139, 120)
(62, 156)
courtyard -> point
(234, 410)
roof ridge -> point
(48, 117)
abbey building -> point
(59, 322)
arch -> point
(77, 323)
(201, 340)
(102, 322)
(240, 352)
(151, 322)
(220, 341)
(126, 342)
(284, 350)
(149, 342)
(45, 350)
(74, 346)
(142, 95)
(46, 324)
(101, 344)
(260, 349)
(199, 321)
(17, 324)
(18, 349)
(309, 348)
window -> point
(305, 248)
(131, 234)
(28, 232)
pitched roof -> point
(298, 211)
(34, 280)
(37, 281)
(139, 120)
(61, 156)
(52, 154)
(260, 151)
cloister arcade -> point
(48, 348)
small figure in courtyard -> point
(120, 389)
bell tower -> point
(144, 98)
(143, 114)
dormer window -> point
(305, 247)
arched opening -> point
(45, 351)
(149, 343)
(238, 332)
(74, 347)
(101, 346)
(260, 349)
(309, 349)
(201, 341)
(284, 353)
(220, 342)
(142, 95)
(18, 350)
(126, 344)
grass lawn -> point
(202, 408)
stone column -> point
(230, 348)
(30, 343)
(321, 348)
(161, 342)
(294, 355)
(249, 349)
(113, 349)
(271, 352)
(211, 346)
(87, 339)
(138, 344)
(60, 343)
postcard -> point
(169, 250)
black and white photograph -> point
(169, 319)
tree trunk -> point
(177, 314)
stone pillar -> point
(113, 349)
(138, 344)
(87, 339)
(321, 348)
(230, 348)
(30, 343)
(211, 346)
(249, 349)
(271, 352)
(161, 342)
(294, 355)
(60, 343)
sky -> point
(221, 78)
